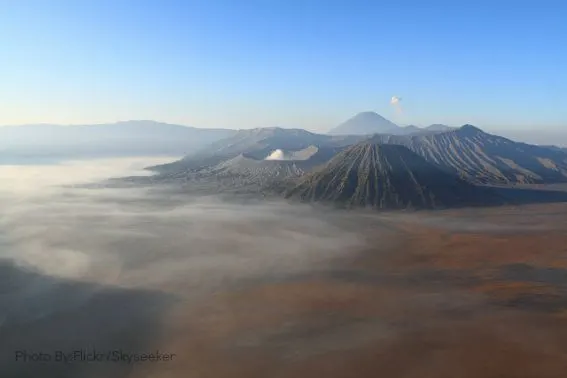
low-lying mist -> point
(115, 235)
(65, 248)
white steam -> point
(396, 102)
(276, 155)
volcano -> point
(387, 177)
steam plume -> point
(276, 155)
(395, 101)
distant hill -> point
(366, 123)
(485, 158)
(386, 177)
(131, 138)
(410, 129)
(438, 127)
(413, 130)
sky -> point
(290, 63)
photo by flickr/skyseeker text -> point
(92, 356)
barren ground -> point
(475, 293)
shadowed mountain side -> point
(40, 313)
(387, 177)
(484, 158)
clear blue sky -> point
(305, 63)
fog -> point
(115, 235)
(65, 247)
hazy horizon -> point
(550, 136)
(221, 64)
(497, 128)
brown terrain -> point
(476, 293)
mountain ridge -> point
(485, 158)
(467, 151)
(383, 176)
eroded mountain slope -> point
(386, 177)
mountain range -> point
(130, 138)
(397, 167)
(467, 152)
(420, 170)
(485, 158)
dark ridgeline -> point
(387, 177)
